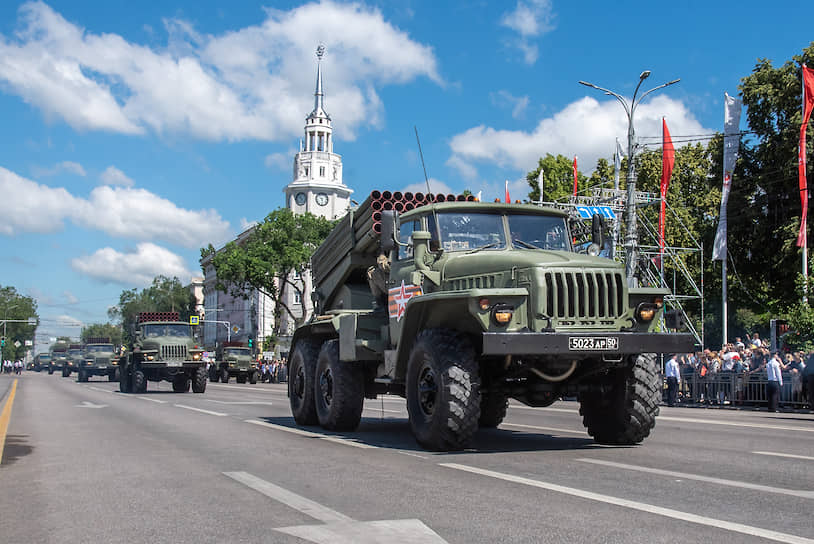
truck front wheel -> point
(626, 413)
(224, 375)
(253, 377)
(443, 390)
(199, 380)
(303, 365)
(180, 383)
(139, 382)
(340, 390)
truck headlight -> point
(502, 314)
(196, 356)
(646, 311)
(150, 357)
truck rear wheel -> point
(340, 390)
(180, 383)
(139, 382)
(627, 413)
(199, 380)
(224, 375)
(443, 390)
(492, 409)
(303, 365)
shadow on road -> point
(394, 433)
(17, 446)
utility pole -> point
(631, 235)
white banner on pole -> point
(732, 119)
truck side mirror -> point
(389, 221)
(597, 229)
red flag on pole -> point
(507, 192)
(668, 159)
(575, 175)
(808, 105)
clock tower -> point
(317, 181)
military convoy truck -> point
(458, 306)
(163, 348)
(42, 361)
(59, 356)
(73, 358)
(233, 359)
(99, 359)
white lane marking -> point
(264, 403)
(697, 477)
(540, 409)
(100, 389)
(374, 409)
(88, 404)
(185, 407)
(255, 389)
(625, 503)
(733, 424)
(153, 400)
(537, 428)
(309, 434)
(297, 502)
(789, 455)
(339, 527)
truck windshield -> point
(237, 351)
(75, 352)
(468, 231)
(100, 348)
(166, 329)
(530, 231)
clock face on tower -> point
(322, 199)
(300, 199)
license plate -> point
(174, 363)
(593, 343)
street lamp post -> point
(631, 235)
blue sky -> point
(136, 132)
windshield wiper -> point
(487, 246)
(525, 244)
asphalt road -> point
(85, 463)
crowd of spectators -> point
(274, 371)
(721, 377)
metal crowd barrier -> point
(738, 389)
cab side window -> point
(406, 238)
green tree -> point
(102, 330)
(163, 295)
(17, 307)
(558, 179)
(270, 259)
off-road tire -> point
(180, 383)
(139, 382)
(626, 413)
(125, 380)
(253, 377)
(113, 376)
(443, 390)
(213, 374)
(241, 378)
(302, 369)
(50, 370)
(224, 375)
(82, 376)
(339, 390)
(199, 380)
(65, 372)
(492, 409)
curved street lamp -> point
(631, 235)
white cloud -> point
(279, 161)
(437, 187)
(64, 166)
(118, 211)
(505, 99)
(69, 297)
(114, 176)
(245, 224)
(244, 84)
(530, 18)
(586, 128)
(71, 322)
(135, 268)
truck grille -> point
(583, 294)
(486, 281)
(174, 352)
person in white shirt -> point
(775, 381)
(673, 379)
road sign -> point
(194, 320)
(29, 343)
(589, 211)
(17, 344)
(235, 329)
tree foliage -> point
(558, 179)
(163, 295)
(270, 259)
(15, 306)
(102, 330)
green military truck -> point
(233, 359)
(163, 348)
(73, 358)
(59, 357)
(42, 361)
(99, 359)
(459, 306)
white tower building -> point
(317, 185)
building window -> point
(322, 171)
(307, 171)
(297, 297)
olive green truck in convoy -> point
(459, 306)
(233, 359)
(99, 359)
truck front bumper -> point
(582, 344)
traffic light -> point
(2, 342)
(251, 342)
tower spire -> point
(318, 95)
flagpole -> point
(723, 293)
(805, 227)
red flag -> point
(507, 192)
(808, 105)
(668, 159)
(575, 175)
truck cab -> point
(234, 359)
(99, 359)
